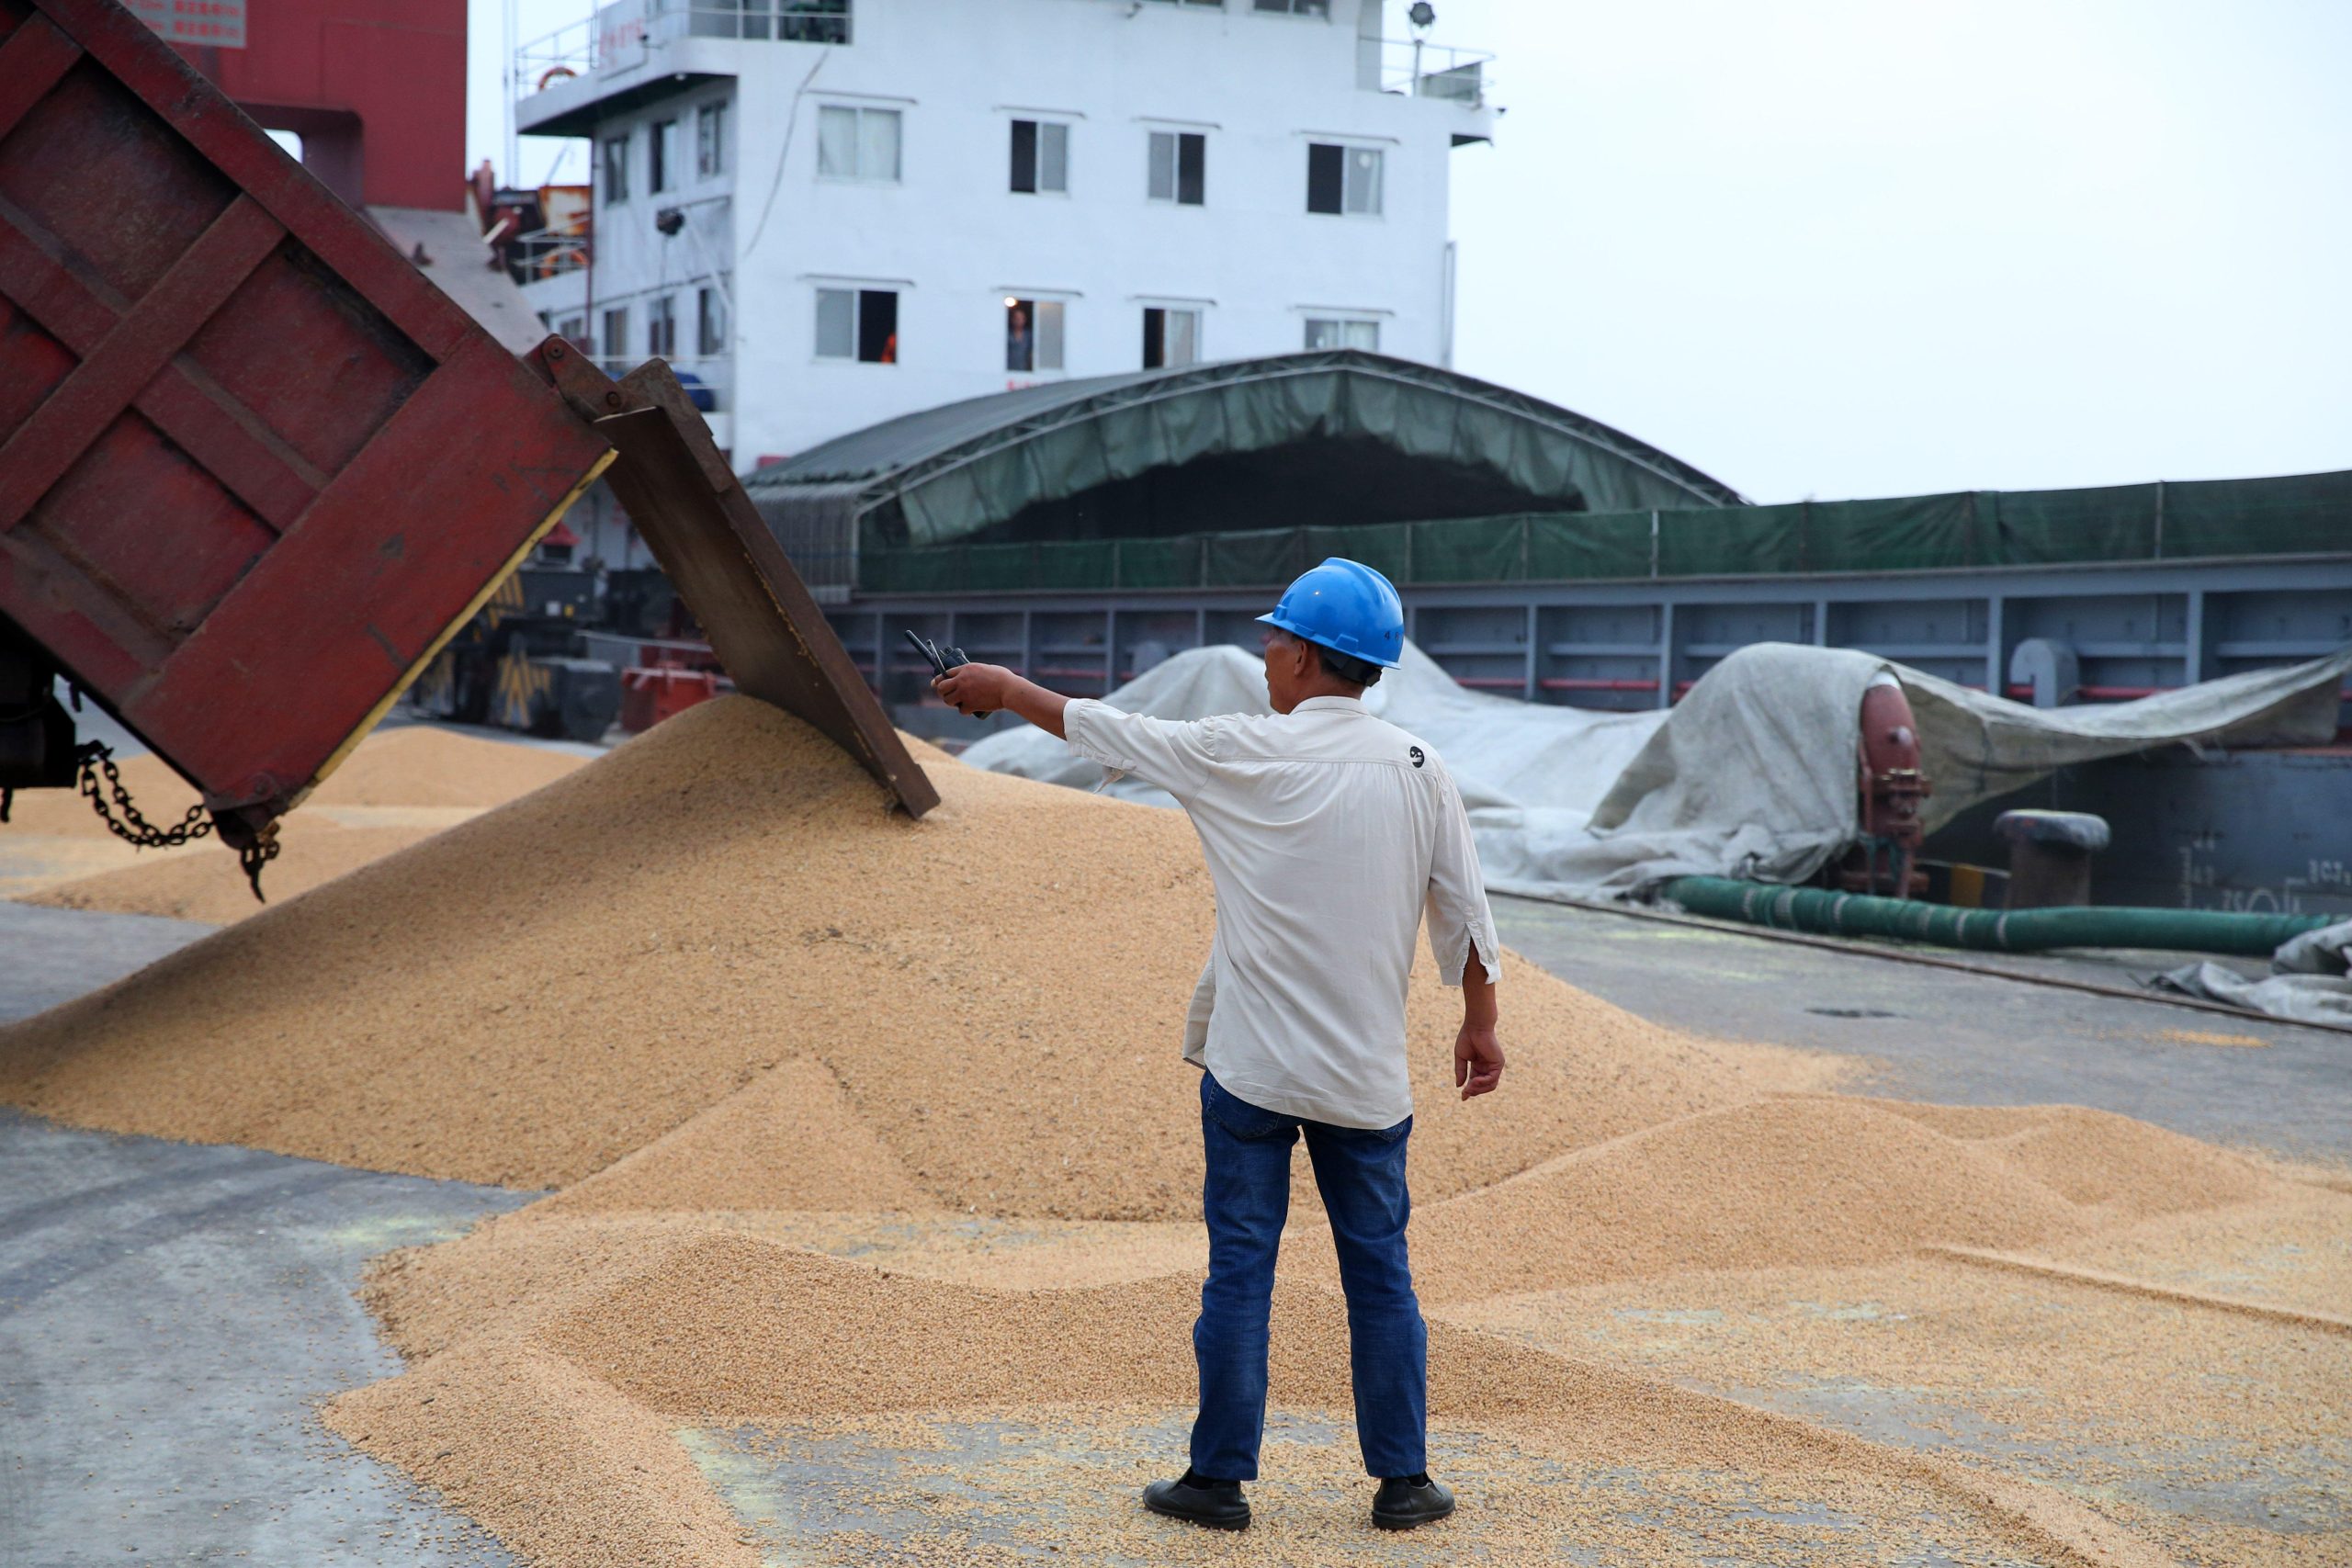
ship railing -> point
(1424, 70)
(547, 252)
(618, 36)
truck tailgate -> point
(254, 466)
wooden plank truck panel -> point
(253, 465)
(694, 513)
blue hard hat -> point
(1346, 606)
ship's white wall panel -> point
(954, 239)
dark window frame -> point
(1188, 168)
(616, 169)
(1024, 157)
(873, 325)
(1329, 166)
(710, 323)
(1031, 140)
(1155, 334)
(877, 326)
(1039, 340)
(660, 137)
(710, 138)
(1326, 177)
(1192, 169)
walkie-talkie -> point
(941, 659)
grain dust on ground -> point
(2162, 1410)
(875, 1229)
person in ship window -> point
(1020, 346)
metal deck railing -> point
(618, 35)
(1424, 70)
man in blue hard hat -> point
(1329, 833)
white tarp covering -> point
(2308, 980)
(1752, 774)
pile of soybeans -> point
(864, 1137)
(397, 787)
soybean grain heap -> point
(742, 1020)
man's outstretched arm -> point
(1163, 751)
(985, 688)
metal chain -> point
(97, 757)
(257, 854)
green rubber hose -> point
(1992, 930)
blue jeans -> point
(1246, 1197)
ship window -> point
(1297, 7)
(616, 169)
(1327, 331)
(801, 21)
(710, 140)
(859, 323)
(1171, 337)
(1179, 167)
(662, 326)
(792, 21)
(1040, 156)
(1032, 335)
(710, 323)
(616, 344)
(857, 143)
(1343, 179)
(661, 155)
(1364, 180)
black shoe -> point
(1405, 1501)
(1216, 1505)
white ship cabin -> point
(831, 212)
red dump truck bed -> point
(254, 466)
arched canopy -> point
(1340, 437)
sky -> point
(1838, 248)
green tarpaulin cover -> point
(2302, 514)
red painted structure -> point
(1891, 788)
(257, 469)
(254, 466)
(375, 88)
(652, 693)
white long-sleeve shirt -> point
(1328, 832)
